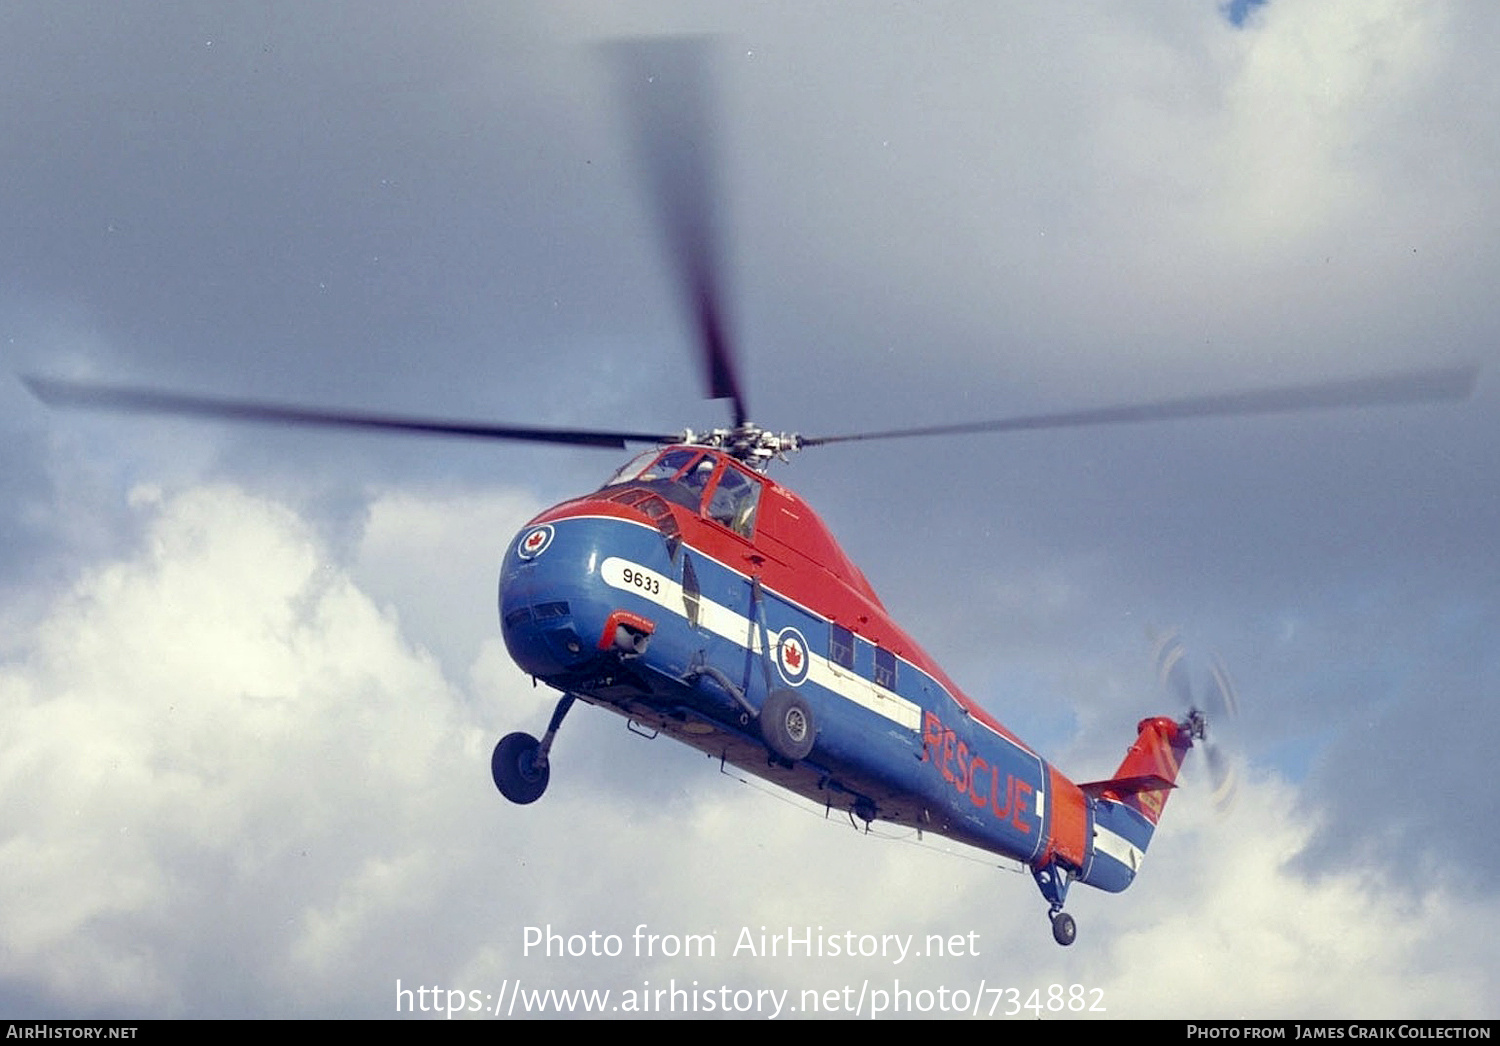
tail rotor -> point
(1217, 701)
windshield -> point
(679, 474)
(684, 475)
(628, 471)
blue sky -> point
(251, 678)
(1239, 11)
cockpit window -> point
(734, 501)
(696, 478)
(670, 464)
(628, 471)
(661, 466)
(685, 474)
(679, 475)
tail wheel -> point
(516, 770)
(786, 724)
(1064, 929)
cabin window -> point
(885, 669)
(734, 501)
(841, 646)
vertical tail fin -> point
(1128, 806)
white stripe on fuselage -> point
(1118, 847)
(739, 629)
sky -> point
(251, 677)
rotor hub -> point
(1195, 725)
(747, 443)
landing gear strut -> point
(1053, 881)
(519, 765)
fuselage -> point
(689, 588)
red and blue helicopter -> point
(697, 597)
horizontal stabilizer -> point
(1123, 786)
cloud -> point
(1238, 930)
(235, 787)
(1238, 11)
(188, 730)
(248, 717)
(445, 594)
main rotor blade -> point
(665, 88)
(1419, 386)
(61, 393)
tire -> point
(786, 724)
(514, 769)
(1064, 929)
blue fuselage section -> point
(891, 741)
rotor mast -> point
(747, 443)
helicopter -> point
(697, 597)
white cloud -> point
(1266, 180)
(235, 787)
(247, 774)
(434, 558)
(188, 730)
(1232, 928)
(1285, 126)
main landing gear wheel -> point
(518, 774)
(1064, 929)
(787, 725)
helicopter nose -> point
(539, 607)
(543, 638)
(558, 619)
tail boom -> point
(1128, 805)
